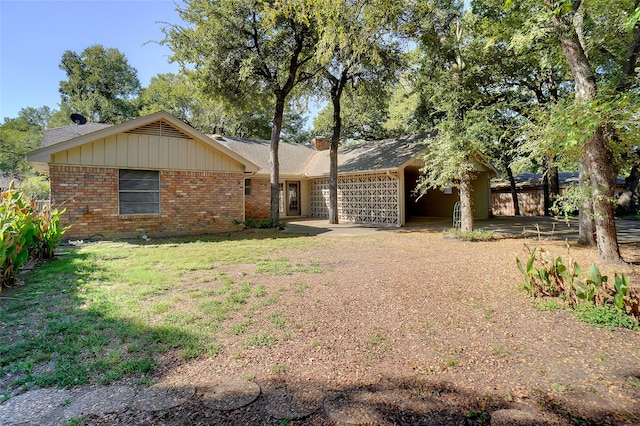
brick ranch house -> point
(158, 176)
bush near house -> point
(25, 233)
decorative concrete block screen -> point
(366, 198)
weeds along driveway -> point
(441, 321)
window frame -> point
(248, 187)
(155, 190)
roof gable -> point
(157, 124)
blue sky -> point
(35, 33)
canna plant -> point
(552, 278)
(24, 233)
(18, 232)
(48, 232)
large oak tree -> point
(243, 52)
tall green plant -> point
(48, 232)
(546, 276)
(24, 233)
(18, 232)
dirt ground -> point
(421, 329)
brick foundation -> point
(191, 203)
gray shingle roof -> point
(61, 134)
(302, 159)
(384, 154)
(293, 158)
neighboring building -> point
(156, 175)
(530, 189)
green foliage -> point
(552, 278)
(100, 84)
(17, 234)
(241, 51)
(35, 187)
(605, 316)
(48, 232)
(24, 232)
(182, 98)
(18, 136)
(362, 117)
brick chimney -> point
(320, 144)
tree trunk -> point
(274, 206)
(337, 86)
(514, 190)
(466, 204)
(586, 225)
(603, 178)
(598, 158)
(333, 162)
(554, 183)
(551, 184)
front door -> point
(293, 198)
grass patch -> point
(279, 369)
(375, 340)
(475, 235)
(634, 381)
(278, 320)
(262, 339)
(108, 310)
(498, 350)
(547, 305)
(283, 266)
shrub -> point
(552, 278)
(35, 187)
(261, 224)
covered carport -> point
(436, 203)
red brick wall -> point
(257, 204)
(190, 203)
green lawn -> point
(106, 311)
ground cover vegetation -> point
(379, 311)
(102, 312)
(545, 276)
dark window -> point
(139, 192)
(247, 187)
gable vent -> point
(159, 128)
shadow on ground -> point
(274, 402)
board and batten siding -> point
(131, 150)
